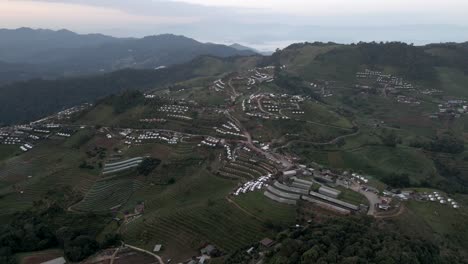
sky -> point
(263, 24)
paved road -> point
(371, 197)
(251, 145)
(330, 142)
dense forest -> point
(26, 101)
(48, 224)
(350, 240)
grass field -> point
(47, 167)
(259, 205)
(8, 151)
(352, 196)
(453, 81)
(316, 112)
(380, 160)
(266, 130)
(436, 222)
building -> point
(329, 192)
(209, 250)
(60, 260)
(157, 248)
(290, 173)
(266, 242)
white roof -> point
(157, 248)
(60, 260)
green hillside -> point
(196, 155)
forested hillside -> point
(29, 100)
(55, 54)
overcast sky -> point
(264, 24)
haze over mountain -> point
(263, 25)
(48, 53)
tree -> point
(148, 165)
(80, 248)
(390, 139)
(397, 180)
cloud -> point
(79, 16)
(334, 7)
(257, 22)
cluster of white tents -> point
(60, 134)
(180, 117)
(231, 124)
(296, 99)
(224, 132)
(174, 109)
(34, 137)
(436, 196)
(42, 131)
(243, 105)
(359, 178)
(219, 85)
(68, 112)
(261, 77)
(251, 81)
(228, 152)
(129, 139)
(251, 186)
(149, 135)
(210, 141)
(258, 114)
(153, 120)
(26, 147)
(11, 141)
(272, 108)
(52, 125)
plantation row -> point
(111, 168)
(182, 151)
(301, 190)
(246, 168)
(105, 195)
(220, 224)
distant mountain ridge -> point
(23, 44)
(241, 47)
(64, 53)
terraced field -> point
(193, 211)
(27, 178)
(182, 151)
(247, 167)
(266, 209)
(107, 195)
(115, 187)
(220, 223)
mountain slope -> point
(21, 72)
(64, 53)
(145, 53)
(30, 100)
(22, 45)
